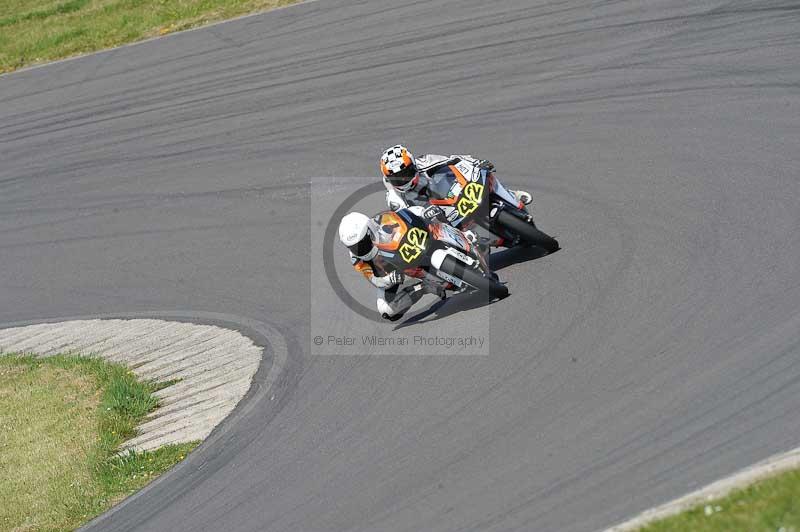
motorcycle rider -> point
(359, 233)
(406, 177)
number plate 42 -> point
(414, 244)
(470, 199)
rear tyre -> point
(474, 278)
(527, 232)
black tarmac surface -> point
(657, 351)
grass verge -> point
(35, 31)
(62, 420)
(770, 505)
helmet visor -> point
(362, 247)
(403, 176)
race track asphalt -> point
(657, 351)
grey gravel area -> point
(213, 367)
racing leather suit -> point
(393, 299)
(426, 166)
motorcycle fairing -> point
(402, 239)
(450, 235)
(392, 230)
(504, 194)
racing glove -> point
(486, 164)
(387, 281)
(396, 277)
(472, 237)
(434, 213)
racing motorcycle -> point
(470, 195)
(436, 253)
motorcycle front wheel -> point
(474, 278)
(527, 232)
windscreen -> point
(441, 182)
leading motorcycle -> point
(470, 194)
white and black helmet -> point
(397, 166)
(358, 231)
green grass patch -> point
(58, 9)
(62, 421)
(771, 505)
(35, 31)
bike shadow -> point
(447, 307)
(470, 301)
(508, 257)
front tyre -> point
(527, 232)
(474, 278)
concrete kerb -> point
(215, 355)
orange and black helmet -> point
(397, 166)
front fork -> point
(482, 259)
(508, 240)
(481, 247)
(432, 279)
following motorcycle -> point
(436, 253)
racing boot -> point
(522, 196)
(431, 288)
(399, 300)
(483, 244)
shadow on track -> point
(469, 301)
(448, 307)
(508, 257)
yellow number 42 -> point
(470, 199)
(415, 243)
